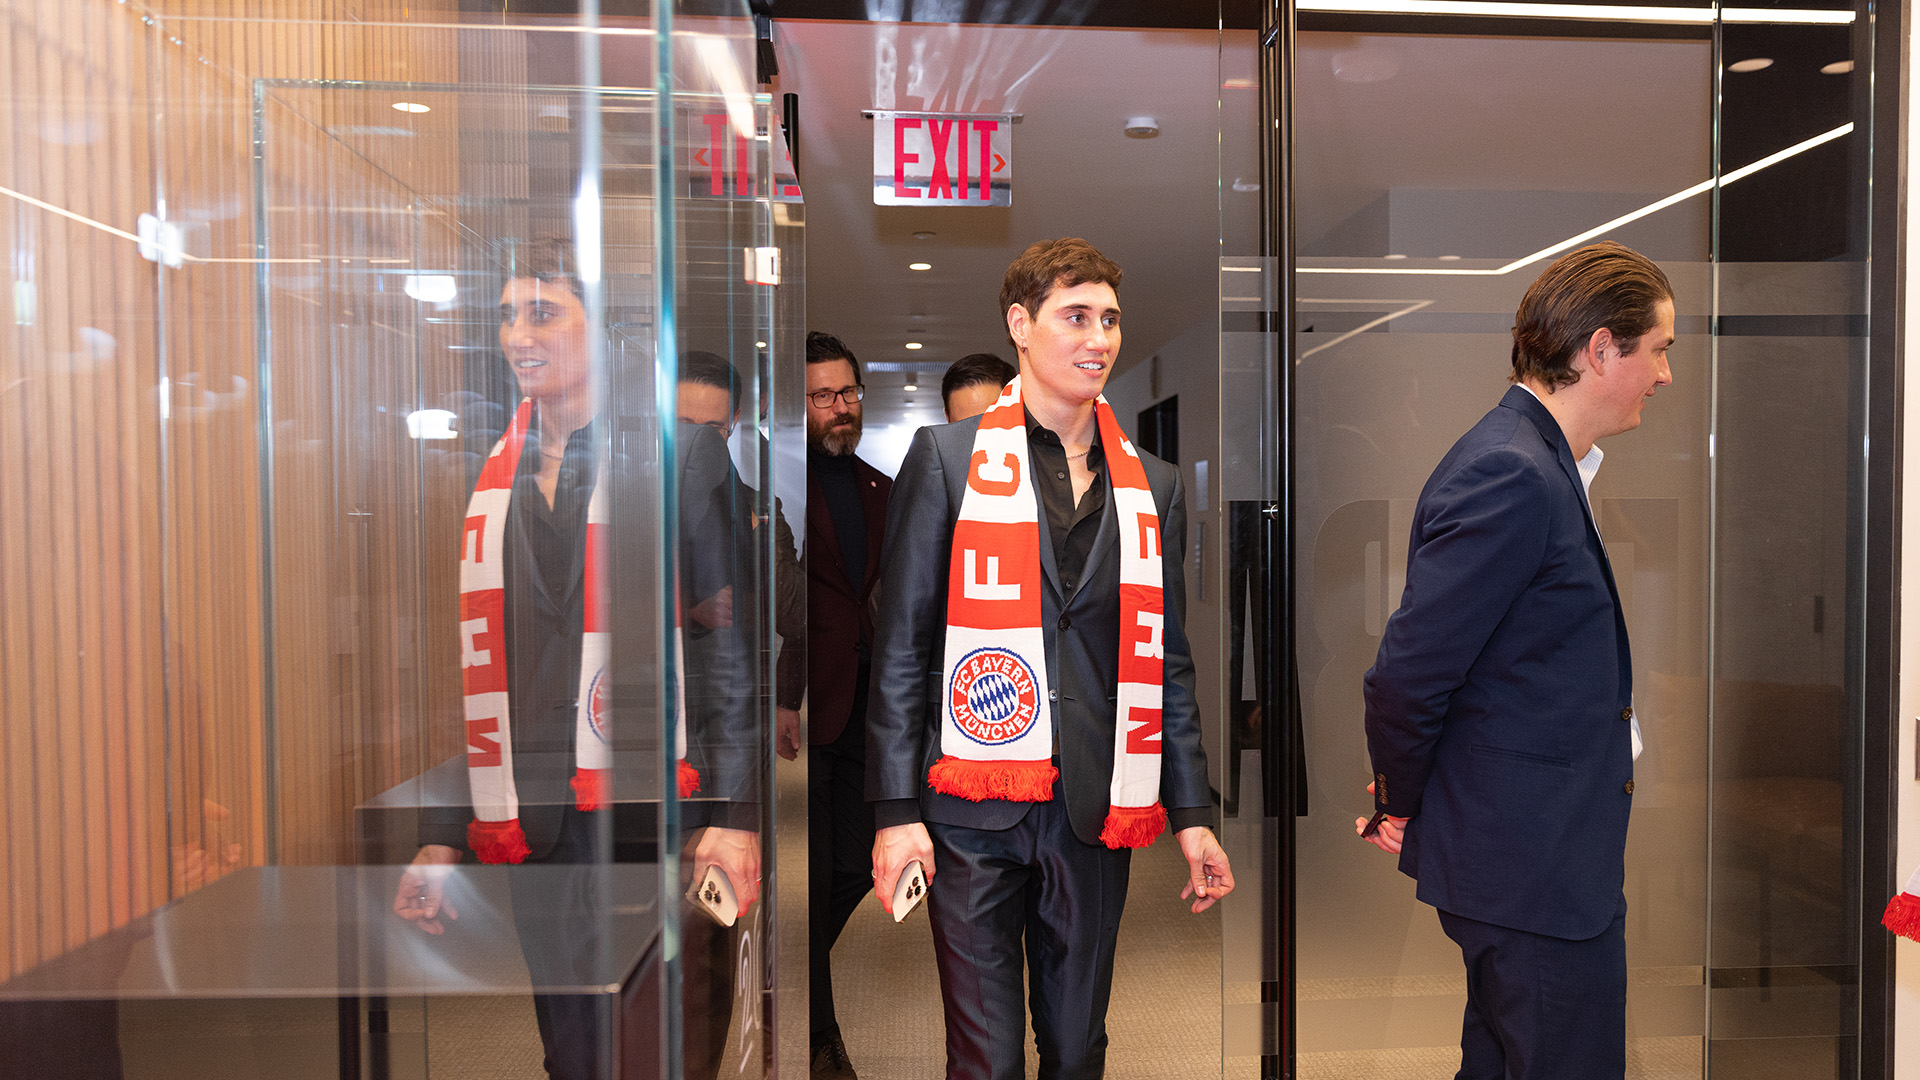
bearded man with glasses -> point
(846, 520)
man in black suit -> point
(1041, 865)
(1500, 708)
(846, 518)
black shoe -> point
(830, 1061)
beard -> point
(837, 439)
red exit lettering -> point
(952, 173)
(714, 157)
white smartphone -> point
(910, 890)
(713, 894)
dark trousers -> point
(1542, 1008)
(839, 853)
(563, 930)
(1039, 885)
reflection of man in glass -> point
(537, 752)
(1499, 710)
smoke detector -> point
(1142, 127)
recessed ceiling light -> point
(1449, 258)
(411, 107)
(910, 387)
(1758, 63)
(924, 234)
(1838, 67)
(914, 345)
(919, 266)
(1396, 255)
(1238, 84)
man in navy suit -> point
(1500, 708)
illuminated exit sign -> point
(942, 159)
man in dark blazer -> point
(1499, 711)
(1003, 870)
(846, 519)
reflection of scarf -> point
(996, 736)
(495, 834)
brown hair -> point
(548, 259)
(1605, 285)
(1053, 264)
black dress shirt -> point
(1071, 526)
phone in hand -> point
(713, 894)
(909, 890)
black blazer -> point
(839, 618)
(1497, 710)
(1083, 649)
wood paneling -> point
(160, 721)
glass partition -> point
(1437, 174)
(389, 629)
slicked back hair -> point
(1605, 285)
(975, 369)
(711, 369)
(1047, 265)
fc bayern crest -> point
(597, 705)
(992, 696)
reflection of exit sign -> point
(942, 159)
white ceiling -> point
(1373, 113)
(1152, 205)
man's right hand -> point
(893, 848)
(1389, 836)
(786, 732)
(421, 897)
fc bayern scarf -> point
(996, 737)
(1903, 911)
(495, 834)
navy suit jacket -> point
(1497, 710)
(1082, 629)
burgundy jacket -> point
(839, 612)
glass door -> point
(1437, 169)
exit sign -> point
(942, 159)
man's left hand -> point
(1209, 875)
(736, 851)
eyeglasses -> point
(823, 399)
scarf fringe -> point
(1015, 781)
(1903, 915)
(1133, 826)
(689, 779)
(589, 789)
(498, 842)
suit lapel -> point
(874, 507)
(1522, 400)
(820, 531)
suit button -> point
(1626, 713)
(1064, 622)
(1629, 787)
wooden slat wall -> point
(134, 755)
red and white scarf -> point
(1903, 911)
(996, 737)
(495, 834)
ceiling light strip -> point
(1579, 238)
(1583, 12)
(125, 235)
